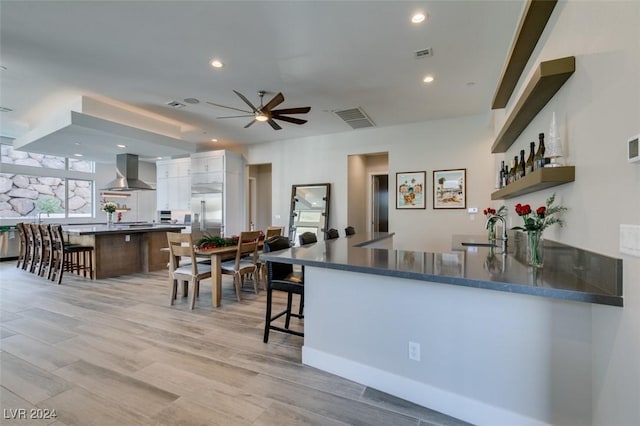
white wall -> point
(489, 358)
(444, 144)
(598, 110)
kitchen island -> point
(123, 249)
(473, 333)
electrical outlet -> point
(472, 210)
(127, 238)
(414, 351)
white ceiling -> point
(329, 55)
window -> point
(30, 188)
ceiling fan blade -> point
(250, 123)
(274, 102)
(246, 101)
(301, 110)
(236, 116)
(289, 119)
(224, 106)
(274, 124)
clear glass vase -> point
(491, 231)
(109, 219)
(534, 248)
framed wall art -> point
(450, 189)
(410, 190)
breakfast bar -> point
(124, 249)
(473, 330)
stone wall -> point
(19, 193)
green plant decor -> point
(48, 205)
(209, 241)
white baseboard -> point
(463, 408)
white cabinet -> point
(221, 172)
(173, 189)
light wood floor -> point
(114, 352)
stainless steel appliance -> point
(165, 216)
(207, 208)
(9, 243)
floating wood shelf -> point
(123, 209)
(115, 194)
(546, 177)
(546, 81)
(534, 19)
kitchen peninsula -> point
(424, 327)
(124, 249)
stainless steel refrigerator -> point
(207, 206)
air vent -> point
(424, 53)
(176, 104)
(3, 109)
(355, 117)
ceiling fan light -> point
(261, 117)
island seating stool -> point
(281, 277)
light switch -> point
(630, 240)
(127, 238)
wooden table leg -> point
(216, 281)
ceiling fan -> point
(266, 112)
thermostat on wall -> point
(634, 149)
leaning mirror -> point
(309, 210)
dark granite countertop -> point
(568, 274)
(119, 228)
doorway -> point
(380, 203)
(258, 193)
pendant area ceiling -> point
(330, 55)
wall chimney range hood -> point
(127, 175)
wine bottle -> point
(506, 175)
(522, 166)
(530, 163)
(514, 170)
(539, 157)
(502, 183)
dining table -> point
(217, 255)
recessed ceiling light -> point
(216, 63)
(158, 158)
(214, 140)
(121, 145)
(77, 155)
(77, 143)
(418, 18)
(428, 79)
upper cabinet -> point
(173, 189)
(546, 81)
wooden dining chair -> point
(181, 246)
(245, 262)
(273, 231)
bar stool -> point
(281, 277)
(23, 245)
(70, 257)
(36, 241)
